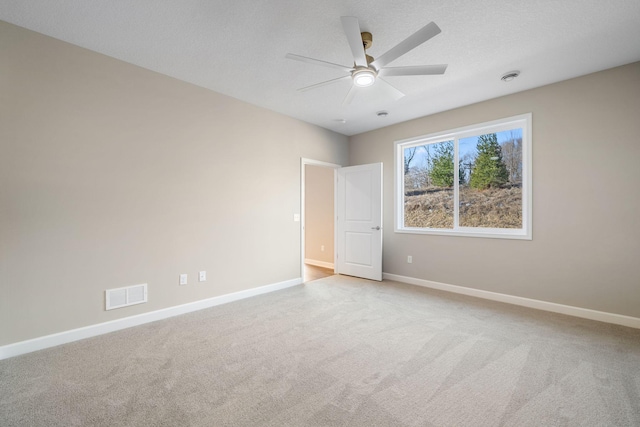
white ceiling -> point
(238, 47)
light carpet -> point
(338, 351)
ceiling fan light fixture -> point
(364, 77)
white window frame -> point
(521, 121)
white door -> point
(359, 222)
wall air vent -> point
(123, 297)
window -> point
(473, 181)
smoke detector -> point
(511, 75)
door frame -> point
(303, 163)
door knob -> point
(375, 228)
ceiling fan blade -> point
(352, 92)
(418, 70)
(390, 89)
(317, 62)
(414, 40)
(352, 31)
(328, 82)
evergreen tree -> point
(489, 169)
(441, 173)
(462, 176)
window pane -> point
(428, 185)
(491, 184)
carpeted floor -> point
(337, 352)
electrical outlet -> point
(202, 276)
(296, 217)
(321, 248)
(183, 279)
(409, 259)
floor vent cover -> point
(123, 297)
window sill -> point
(488, 233)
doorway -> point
(318, 219)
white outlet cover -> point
(296, 217)
(183, 279)
(202, 276)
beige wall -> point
(319, 213)
(112, 175)
(585, 250)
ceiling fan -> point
(367, 70)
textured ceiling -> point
(238, 47)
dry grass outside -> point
(491, 208)
(431, 209)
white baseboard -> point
(318, 263)
(601, 316)
(53, 340)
